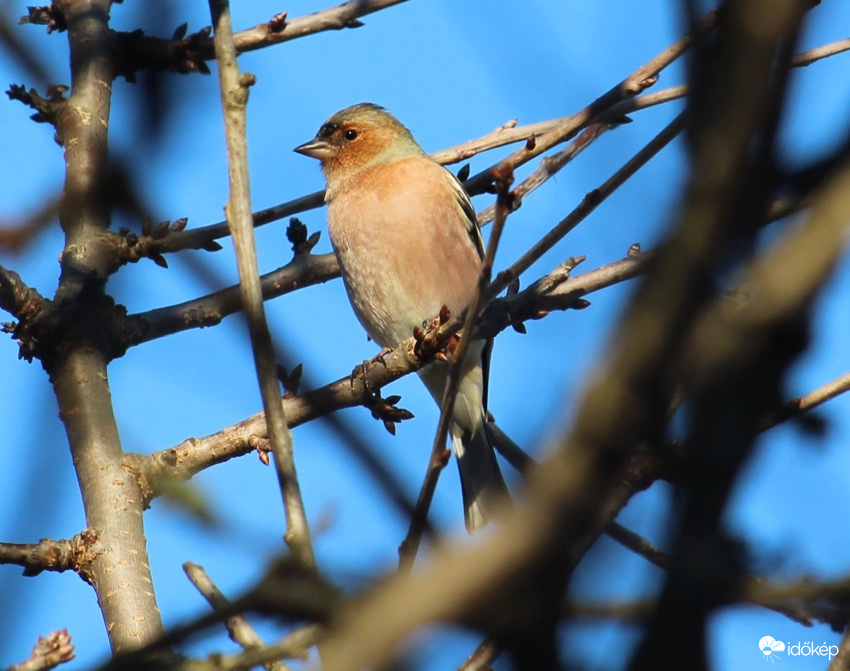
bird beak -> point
(315, 148)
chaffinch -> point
(406, 237)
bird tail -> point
(481, 480)
(483, 487)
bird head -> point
(357, 138)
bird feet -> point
(361, 371)
(431, 337)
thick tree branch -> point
(733, 116)
(119, 569)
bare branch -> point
(73, 554)
(813, 399)
(549, 166)
(558, 292)
(238, 627)
(18, 299)
(302, 271)
(292, 645)
(342, 16)
(187, 53)
(638, 81)
(508, 133)
(483, 656)
(77, 365)
(637, 544)
(234, 92)
(590, 202)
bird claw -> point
(429, 337)
(379, 357)
(361, 371)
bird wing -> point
(471, 219)
(472, 228)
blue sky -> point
(451, 71)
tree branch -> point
(588, 204)
(234, 92)
(304, 270)
(410, 546)
(239, 629)
(75, 554)
(557, 291)
(187, 54)
(119, 569)
(508, 133)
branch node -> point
(152, 242)
(50, 651)
(46, 109)
(290, 381)
(263, 447)
(45, 15)
(296, 233)
(277, 23)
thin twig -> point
(506, 134)
(549, 166)
(339, 17)
(805, 58)
(809, 401)
(239, 629)
(484, 655)
(293, 645)
(637, 544)
(590, 202)
(182, 461)
(410, 545)
(234, 91)
(642, 78)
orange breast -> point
(404, 251)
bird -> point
(406, 237)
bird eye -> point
(350, 134)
